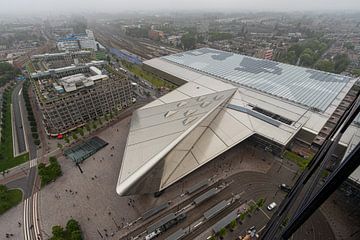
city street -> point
(18, 121)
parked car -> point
(285, 187)
(271, 206)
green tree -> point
(297, 48)
(232, 224)
(242, 216)
(291, 57)
(74, 136)
(349, 46)
(356, 72)
(188, 41)
(76, 235)
(325, 65)
(307, 57)
(341, 62)
(58, 231)
(72, 225)
(222, 232)
(81, 131)
(35, 135)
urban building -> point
(47, 61)
(155, 34)
(224, 99)
(70, 97)
(265, 54)
(74, 42)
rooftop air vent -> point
(201, 98)
(189, 112)
(170, 113)
(205, 104)
(180, 104)
(218, 97)
(189, 120)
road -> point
(18, 120)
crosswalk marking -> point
(33, 162)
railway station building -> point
(222, 100)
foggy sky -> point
(113, 6)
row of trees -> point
(309, 53)
(5, 127)
(72, 231)
(31, 118)
(88, 127)
(49, 173)
(7, 73)
(336, 65)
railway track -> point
(138, 230)
(203, 227)
(141, 47)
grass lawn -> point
(7, 159)
(29, 67)
(11, 198)
(157, 82)
(300, 161)
(99, 55)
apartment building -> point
(69, 100)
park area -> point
(9, 198)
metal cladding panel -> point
(205, 196)
(151, 212)
(224, 222)
(177, 235)
(311, 88)
(215, 210)
(197, 186)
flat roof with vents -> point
(308, 87)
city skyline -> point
(112, 6)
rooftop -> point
(191, 125)
(311, 88)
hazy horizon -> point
(31, 7)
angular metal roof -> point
(308, 87)
(155, 131)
